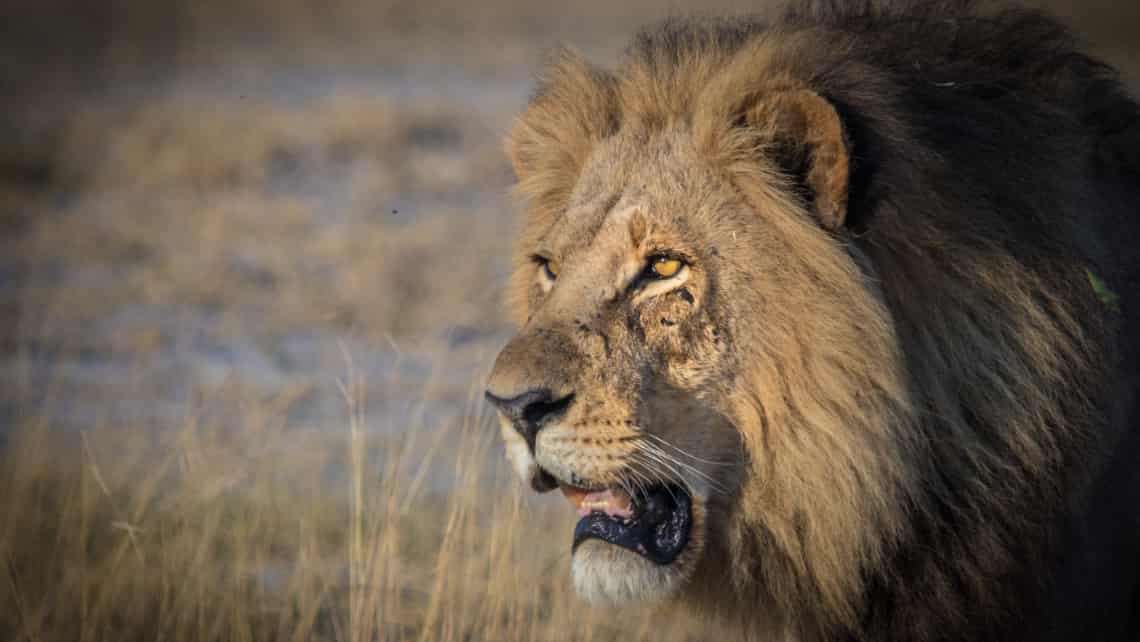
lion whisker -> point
(674, 464)
(625, 486)
(664, 463)
(657, 449)
(677, 468)
(641, 479)
(647, 471)
(660, 474)
(711, 462)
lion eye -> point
(550, 269)
(663, 267)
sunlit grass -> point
(266, 532)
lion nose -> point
(531, 410)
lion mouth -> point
(654, 523)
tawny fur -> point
(894, 332)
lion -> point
(828, 324)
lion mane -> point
(961, 466)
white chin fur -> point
(608, 574)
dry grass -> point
(249, 286)
(243, 380)
(270, 533)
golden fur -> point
(883, 412)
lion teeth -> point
(612, 502)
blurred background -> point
(251, 261)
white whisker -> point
(675, 475)
(674, 464)
(645, 471)
(685, 453)
(642, 477)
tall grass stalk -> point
(255, 529)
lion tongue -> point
(615, 503)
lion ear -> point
(575, 107)
(805, 131)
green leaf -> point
(1106, 296)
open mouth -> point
(654, 523)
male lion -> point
(829, 325)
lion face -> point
(609, 389)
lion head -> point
(693, 335)
(763, 379)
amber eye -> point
(550, 268)
(664, 267)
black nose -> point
(531, 410)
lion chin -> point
(606, 574)
(619, 572)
